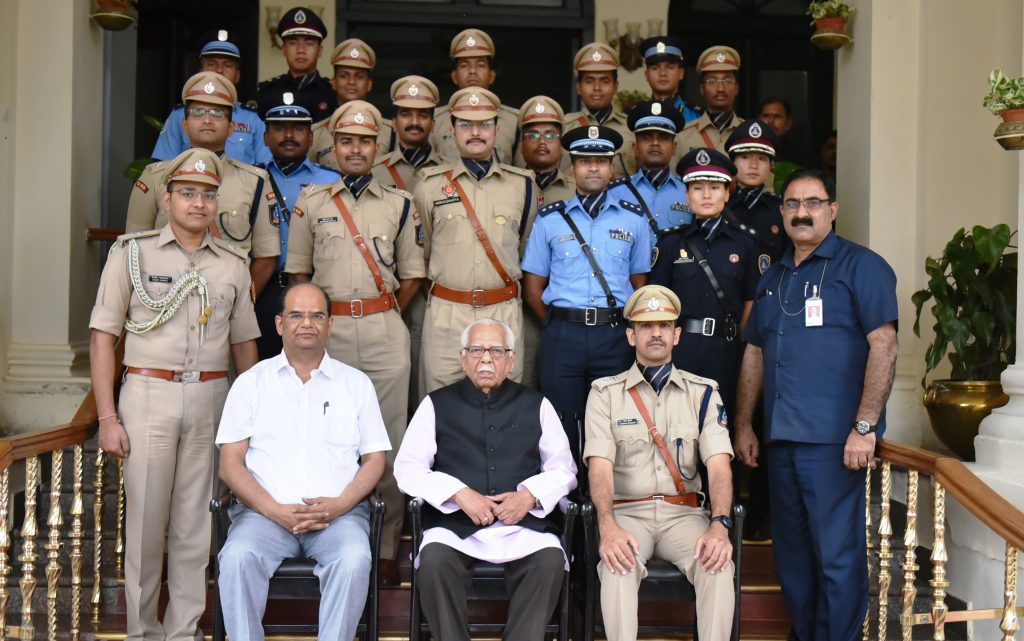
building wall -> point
(639, 11)
(271, 60)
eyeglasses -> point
(719, 82)
(209, 196)
(215, 113)
(812, 205)
(534, 136)
(482, 125)
(477, 351)
(298, 317)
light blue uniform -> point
(619, 237)
(245, 142)
(669, 205)
(290, 185)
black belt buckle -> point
(476, 298)
(731, 329)
(590, 316)
(708, 328)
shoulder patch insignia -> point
(633, 207)
(764, 261)
(723, 419)
(141, 186)
(298, 212)
(558, 205)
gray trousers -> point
(534, 583)
(255, 548)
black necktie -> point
(601, 114)
(656, 177)
(720, 119)
(656, 375)
(710, 228)
(356, 184)
(478, 168)
(749, 195)
(593, 203)
(288, 167)
(545, 179)
(417, 155)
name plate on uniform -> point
(160, 279)
(446, 201)
(621, 234)
(627, 421)
(324, 221)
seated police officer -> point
(489, 493)
(585, 256)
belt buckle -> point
(189, 377)
(658, 497)
(352, 308)
(590, 316)
(709, 327)
(476, 298)
(282, 279)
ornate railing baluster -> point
(5, 545)
(939, 558)
(884, 552)
(866, 634)
(77, 534)
(97, 561)
(910, 560)
(1009, 624)
(119, 540)
(28, 555)
(54, 520)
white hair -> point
(510, 337)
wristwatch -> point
(726, 521)
(863, 427)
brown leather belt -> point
(363, 306)
(690, 499)
(476, 297)
(178, 377)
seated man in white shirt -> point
(302, 444)
(491, 461)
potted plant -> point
(114, 15)
(829, 17)
(973, 289)
(1005, 99)
(625, 99)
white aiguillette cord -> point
(816, 293)
(168, 306)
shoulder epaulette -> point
(326, 168)
(320, 125)
(618, 181)
(558, 205)
(237, 251)
(401, 192)
(259, 172)
(633, 207)
(517, 170)
(241, 106)
(693, 378)
(608, 381)
(313, 188)
(429, 172)
(672, 230)
(146, 233)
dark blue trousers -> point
(572, 356)
(819, 543)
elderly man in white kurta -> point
(491, 461)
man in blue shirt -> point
(822, 340)
(664, 71)
(660, 193)
(246, 140)
(584, 259)
(288, 137)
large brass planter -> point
(956, 409)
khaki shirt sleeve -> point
(243, 325)
(598, 425)
(266, 238)
(425, 209)
(114, 294)
(142, 204)
(300, 239)
(531, 216)
(714, 437)
(410, 254)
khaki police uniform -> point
(368, 333)
(702, 132)
(244, 195)
(171, 425)
(505, 203)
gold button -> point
(629, 439)
(193, 328)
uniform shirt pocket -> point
(682, 445)
(451, 224)
(328, 240)
(234, 220)
(632, 445)
(567, 257)
(618, 248)
(222, 300)
(338, 429)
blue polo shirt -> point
(245, 142)
(291, 185)
(668, 205)
(619, 237)
(814, 376)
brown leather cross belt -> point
(178, 377)
(476, 297)
(363, 306)
(690, 499)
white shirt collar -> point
(327, 365)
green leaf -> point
(984, 325)
(134, 170)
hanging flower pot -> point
(1006, 99)
(829, 21)
(114, 15)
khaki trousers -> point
(168, 482)
(442, 331)
(413, 316)
(378, 346)
(670, 533)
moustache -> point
(355, 157)
(655, 341)
(798, 222)
(414, 128)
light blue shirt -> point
(669, 205)
(291, 185)
(245, 142)
(619, 237)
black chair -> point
(664, 582)
(488, 584)
(294, 579)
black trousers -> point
(534, 583)
(269, 343)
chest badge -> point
(684, 257)
(734, 258)
(764, 261)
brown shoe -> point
(389, 575)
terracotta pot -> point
(956, 408)
(830, 33)
(830, 24)
(114, 15)
(1010, 132)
